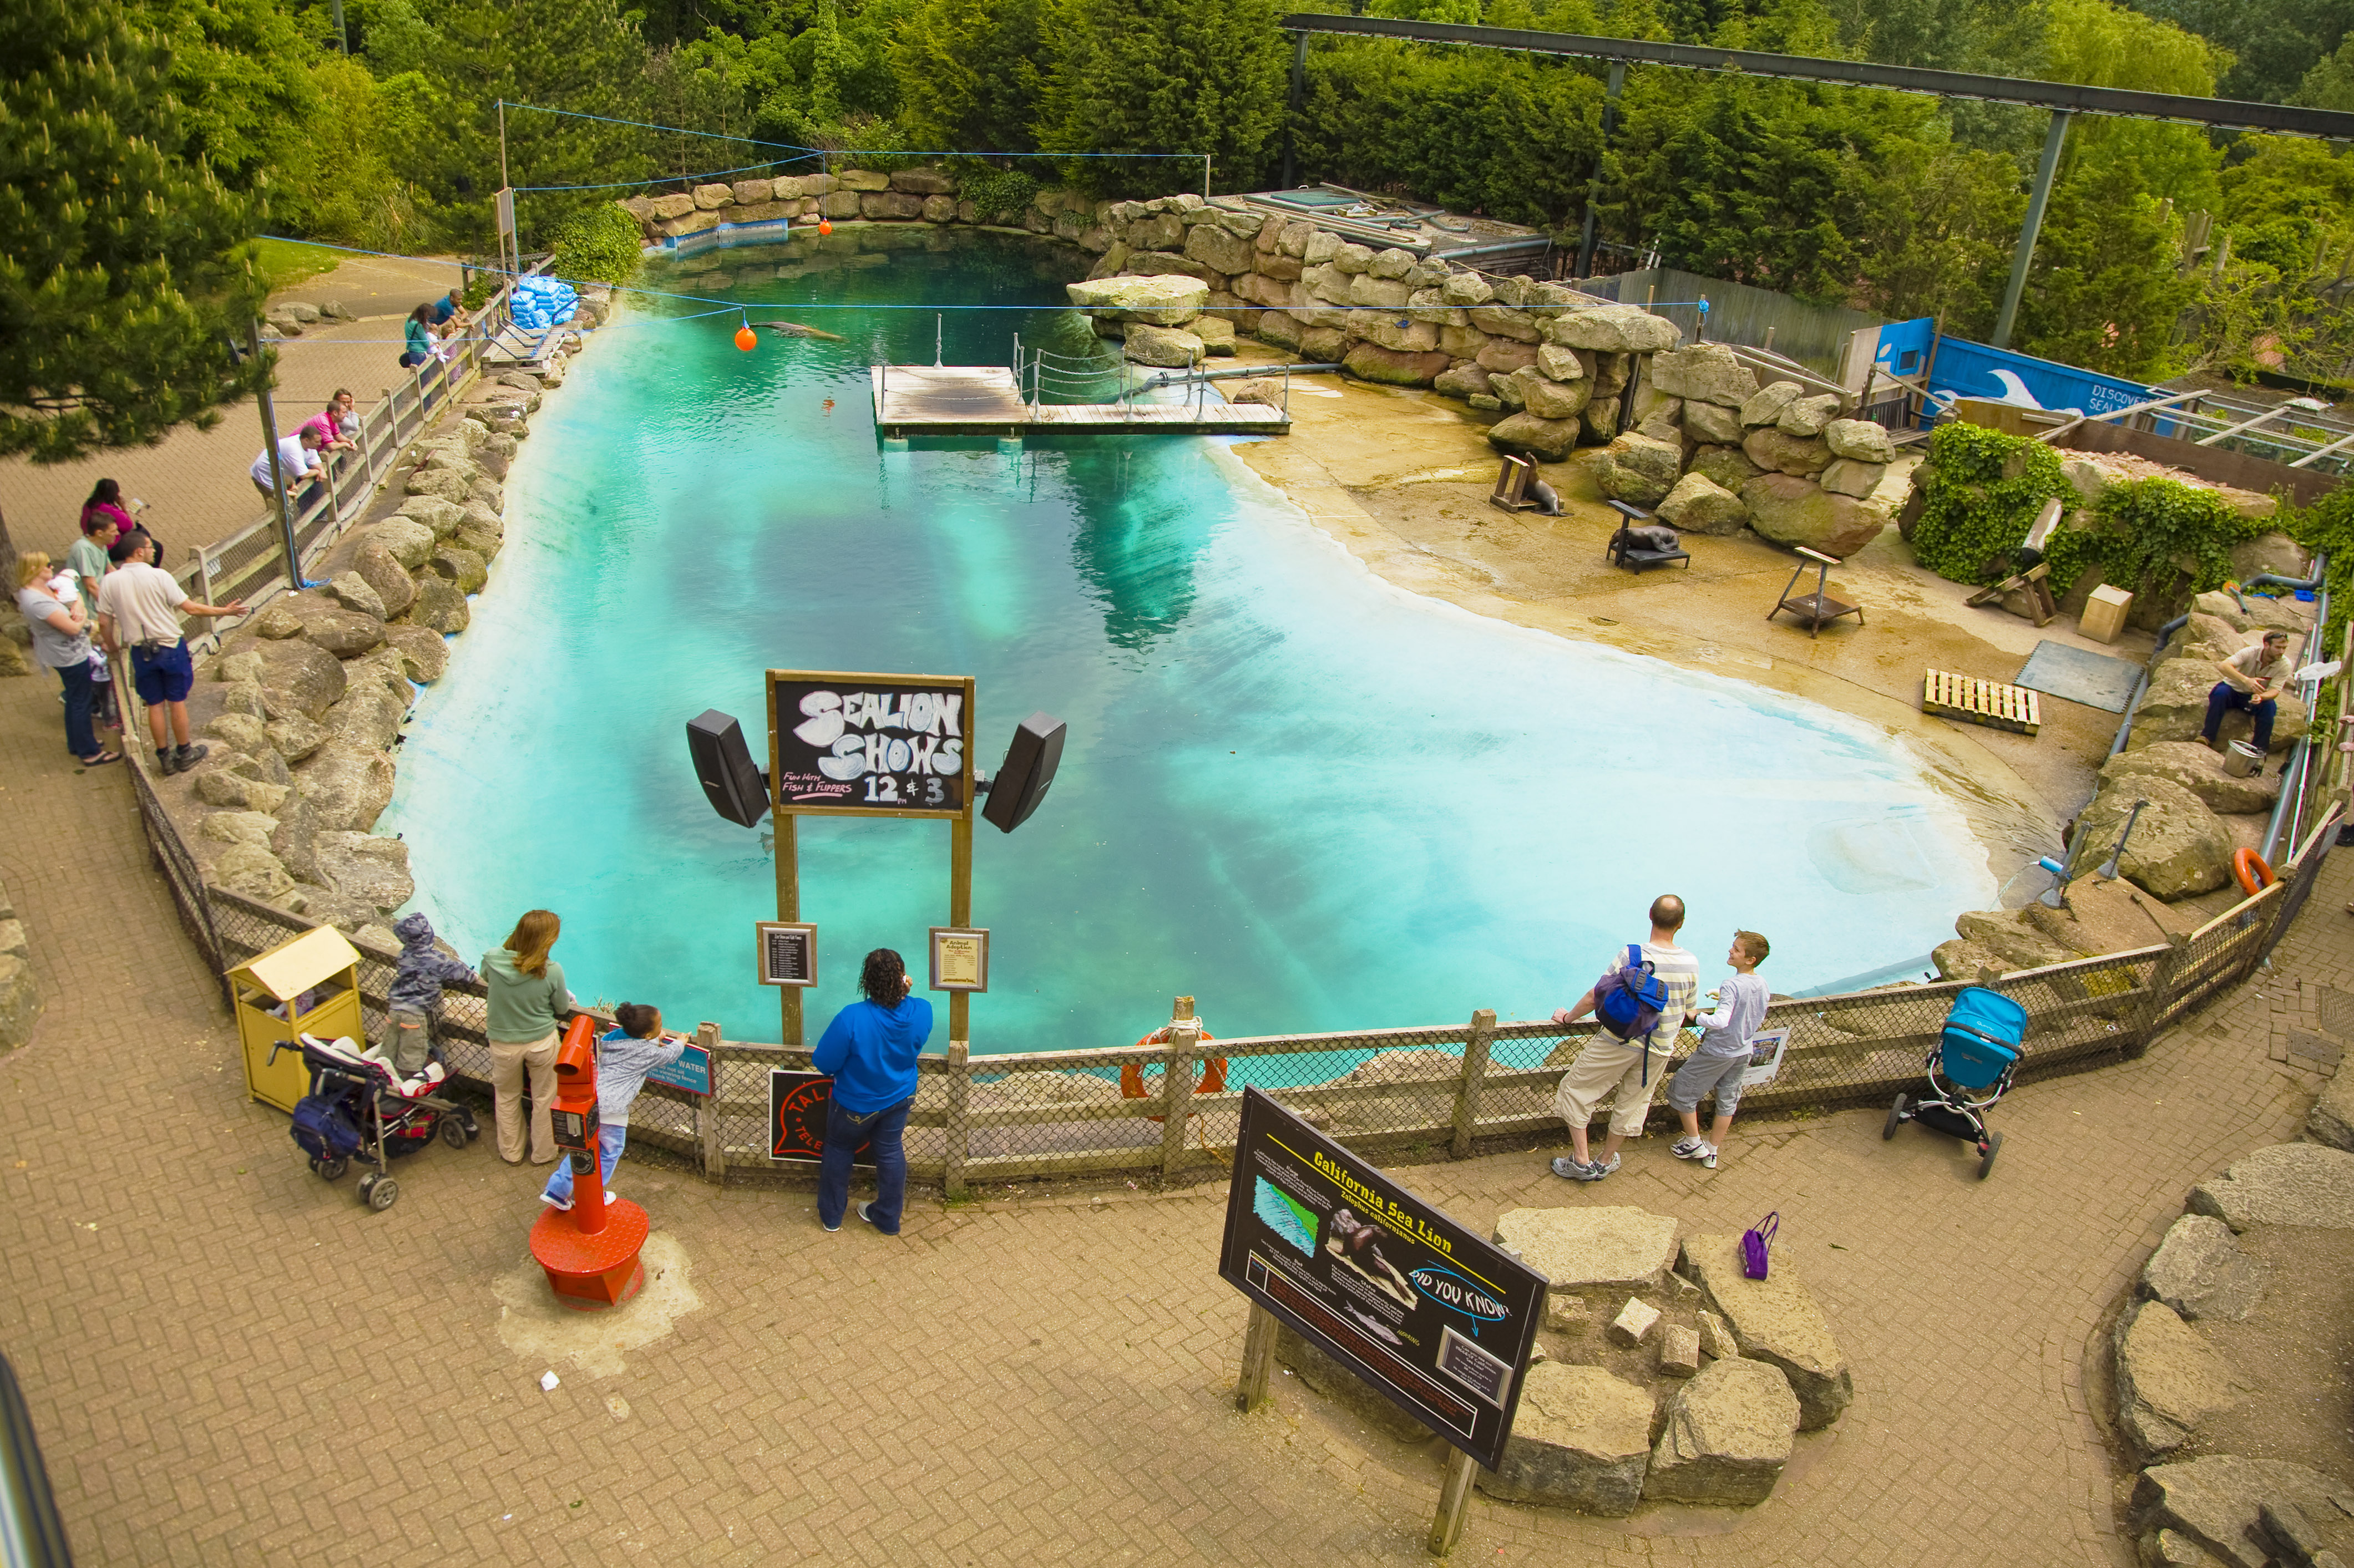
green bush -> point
(1982, 492)
(998, 192)
(599, 245)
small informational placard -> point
(1765, 1048)
(797, 1103)
(788, 953)
(959, 959)
(505, 210)
(690, 1072)
(1436, 1318)
(860, 745)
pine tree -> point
(1166, 75)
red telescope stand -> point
(591, 1250)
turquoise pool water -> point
(1306, 798)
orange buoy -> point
(745, 338)
(823, 227)
(2252, 874)
(1213, 1079)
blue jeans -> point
(610, 1139)
(843, 1132)
(81, 739)
(2227, 696)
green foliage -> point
(2157, 532)
(2327, 528)
(122, 273)
(1165, 75)
(1982, 495)
(598, 244)
(2273, 43)
(970, 72)
(998, 192)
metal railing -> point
(1406, 1095)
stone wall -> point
(20, 994)
(304, 704)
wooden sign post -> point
(843, 744)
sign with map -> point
(881, 745)
(1440, 1321)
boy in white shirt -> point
(1723, 1058)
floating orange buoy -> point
(823, 227)
(746, 337)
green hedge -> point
(600, 244)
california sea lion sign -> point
(864, 745)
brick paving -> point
(231, 1362)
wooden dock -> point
(984, 400)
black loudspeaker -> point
(1027, 774)
(737, 790)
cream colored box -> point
(2105, 613)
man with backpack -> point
(1641, 1002)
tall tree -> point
(1166, 75)
(122, 284)
(972, 72)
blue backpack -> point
(1628, 1002)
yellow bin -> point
(308, 986)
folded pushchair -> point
(1971, 1066)
(360, 1109)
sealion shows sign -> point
(862, 744)
(1439, 1321)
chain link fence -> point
(1169, 1108)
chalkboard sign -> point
(855, 744)
(797, 1103)
(1439, 1321)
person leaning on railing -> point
(417, 335)
(526, 998)
(139, 607)
(334, 423)
(61, 642)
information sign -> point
(690, 1072)
(786, 952)
(886, 746)
(1765, 1048)
(1440, 1321)
(959, 960)
(797, 1103)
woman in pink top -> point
(332, 421)
(106, 501)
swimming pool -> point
(1306, 798)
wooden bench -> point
(1989, 703)
(1818, 608)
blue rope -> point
(674, 129)
(652, 179)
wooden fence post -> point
(2158, 1000)
(1454, 1502)
(1177, 1082)
(1477, 1044)
(1258, 1360)
(960, 1102)
(707, 1111)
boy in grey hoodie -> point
(417, 983)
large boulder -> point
(1704, 372)
(437, 514)
(1726, 467)
(20, 1001)
(1558, 364)
(440, 606)
(237, 731)
(294, 736)
(1169, 347)
(442, 484)
(1848, 477)
(368, 715)
(292, 839)
(1392, 366)
(237, 828)
(407, 543)
(1700, 505)
(1551, 440)
(2178, 847)
(1805, 417)
(1161, 299)
(297, 676)
(1798, 513)
(2175, 708)
(424, 653)
(2012, 938)
(1605, 1250)
(1503, 356)
(2196, 768)
(1767, 406)
(347, 786)
(1859, 440)
(1776, 1320)
(1712, 424)
(1582, 1440)
(361, 866)
(2218, 1502)
(2200, 1271)
(345, 633)
(1504, 320)
(2277, 554)
(351, 590)
(2287, 1184)
(1548, 398)
(1639, 470)
(1462, 381)
(1613, 329)
(2331, 1120)
(1382, 294)
(2168, 1380)
(458, 565)
(1727, 1437)
(1774, 449)
(252, 870)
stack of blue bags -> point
(542, 303)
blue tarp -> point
(1966, 369)
(542, 303)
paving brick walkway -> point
(231, 1362)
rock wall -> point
(20, 994)
(307, 697)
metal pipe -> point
(2038, 196)
(1170, 377)
(1298, 98)
(1594, 185)
(2291, 803)
(2141, 683)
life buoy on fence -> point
(2252, 873)
(1212, 1081)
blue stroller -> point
(1970, 1066)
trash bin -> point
(308, 986)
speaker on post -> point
(737, 790)
(1027, 773)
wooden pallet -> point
(1987, 703)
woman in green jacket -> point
(419, 335)
(527, 999)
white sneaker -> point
(1709, 1159)
(1690, 1148)
(561, 1205)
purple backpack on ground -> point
(1754, 1243)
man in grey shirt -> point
(2253, 678)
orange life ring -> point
(2249, 867)
(1131, 1074)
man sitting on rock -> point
(2253, 678)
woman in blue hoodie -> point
(870, 1049)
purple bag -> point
(1754, 1243)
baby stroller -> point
(358, 1108)
(1976, 1052)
